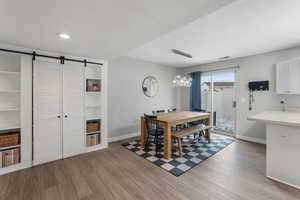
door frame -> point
(210, 74)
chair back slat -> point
(150, 122)
(172, 110)
(160, 111)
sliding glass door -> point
(218, 97)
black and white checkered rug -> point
(192, 154)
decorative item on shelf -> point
(93, 85)
(182, 81)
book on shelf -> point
(10, 157)
(92, 140)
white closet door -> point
(73, 107)
(47, 112)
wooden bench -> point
(178, 135)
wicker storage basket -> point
(10, 139)
(92, 127)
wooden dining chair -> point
(157, 111)
(153, 131)
(178, 126)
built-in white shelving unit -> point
(82, 111)
(9, 73)
(9, 91)
(93, 105)
(15, 112)
(14, 126)
(10, 116)
(10, 147)
(7, 109)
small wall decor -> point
(150, 86)
(256, 86)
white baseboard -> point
(14, 168)
(96, 148)
(251, 139)
(286, 183)
(123, 137)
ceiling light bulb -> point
(64, 36)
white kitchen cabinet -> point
(287, 77)
(283, 145)
(295, 77)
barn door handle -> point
(234, 104)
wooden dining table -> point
(167, 120)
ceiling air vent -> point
(181, 53)
(224, 58)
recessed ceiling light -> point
(64, 36)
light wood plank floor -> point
(236, 173)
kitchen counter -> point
(278, 117)
(283, 145)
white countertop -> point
(278, 117)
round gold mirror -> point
(150, 86)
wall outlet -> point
(282, 102)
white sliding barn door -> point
(47, 137)
(73, 109)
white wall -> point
(126, 101)
(258, 67)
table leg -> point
(207, 132)
(143, 132)
(167, 142)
